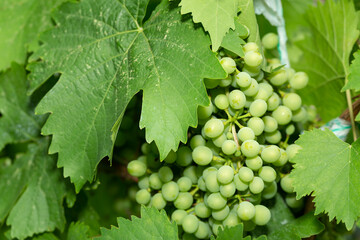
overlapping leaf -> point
(328, 169)
(152, 225)
(217, 16)
(354, 74)
(32, 193)
(235, 232)
(106, 55)
(16, 121)
(78, 230)
(247, 17)
(20, 23)
(326, 55)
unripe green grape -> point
(233, 112)
(258, 108)
(274, 63)
(282, 115)
(299, 80)
(229, 147)
(240, 185)
(292, 101)
(136, 168)
(190, 172)
(254, 163)
(252, 89)
(246, 211)
(190, 224)
(270, 40)
(282, 160)
(165, 174)
(214, 128)
(228, 190)
(143, 183)
(273, 102)
(170, 191)
(221, 214)
(311, 113)
(265, 91)
(225, 174)
(270, 124)
(270, 154)
(286, 184)
(155, 182)
(290, 129)
(219, 140)
(178, 216)
(250, 148)
(292, 202)
(231, 220)
(253, 59)
(183, 201)
(143, 158)
(243, 79)
(292, 150)
(268, 174)
(246, 174)
(221, 101)
(300, 115)
(262, 215)
(143, 197)
(196, 141)
(254, 72)
(203, 231)
(216, 228)
(184, 157)
(246, 133)
(225, 82)
(273, 137)
(171, 157)
(260, 76)
(208, 170)
(202, 184)
(211, 182)
(256, 124)
(158, 201)
(256, 185)
(228, 65)
(290, 72)
(211, 83)
(269, 191)
(145, 148)
(216, 201)
(202, 155)
(205, 112)
(202, 211)
(278, 78)
(237, 99)
(184, 184)
(250, 46)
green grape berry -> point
(299, 80)
(184, 184)
(270, 40)
(246, 211)
(262, 215)
(143, 197)
(237, 99)
(213, 128)
(170, 191)
(202, 155)
(136, 168)
(190, 223)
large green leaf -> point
(283, 225)
(328, 169)
(152, 225)
(106, 55)
(354, 74)
(16, 122)
(20, 23)
(326, 55)
(217, 16)
(32, 193)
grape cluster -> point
(238, 155)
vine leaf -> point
(16, 122)
(326, 52)
(21, 22)
(247, 17)
(330, 174)
(233, 41)
(354, 73)
(78, 230)
(217, 16)
(32, 193)
(235, 232)
(106, 55)
(152, 225)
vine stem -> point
(351, 112)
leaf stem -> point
(351, 112)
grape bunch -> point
(238, 155)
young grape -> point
(243, 79)
(190, 223)
(221, 214)
(136, 168)
(183, 201)
(225, 174)
(286, 184)
(178, 216)
(170, 191)
(282, 115)
(270, 40)
(237, 99)
(165, 174)
(143, 197)
(267, 174)
(246, 133)
(202, 211)
(184, 184)
(250, 148)
(256, 124)
(202, 155)
(216, 201)
(221, 101)
(158, 201)
(299, 80)
(213, 128)
(246, 211)
(229, 147)
(262, 215)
